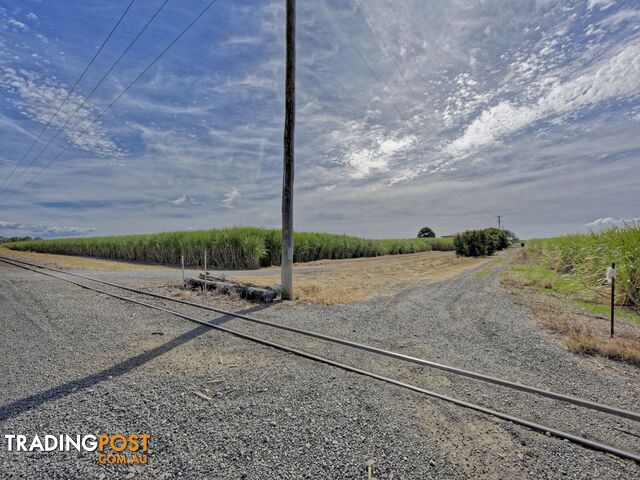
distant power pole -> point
(499, 222)
(288, 159)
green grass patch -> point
(484, 273)
(497, 261)
(235, 248)
(587, 256)
(568, 287)
(543, 278)
(605, 310)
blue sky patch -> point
(410, 113)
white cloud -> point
(181, 200)
(601, 4)
(39, 99)
(464, 100)
(491, 125)
(364, 161)
(17, 24)
(601, 221)
(392, 145)
(615, 78)
(243, 40)
(251, 80)
(32, 16)
(620, 17)
(610, 221)
(45, 229)
(230, 198)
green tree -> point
(512, 237)
(426, 232)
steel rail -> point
(472, 406)
(619, 412)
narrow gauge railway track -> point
(478, 376)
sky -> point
(409, 113)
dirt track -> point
(77, 362)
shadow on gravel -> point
(27, 403)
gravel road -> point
(79, 362)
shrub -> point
(472, 243)
(497, 239)
(426, 232)
(475, 243)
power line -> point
(397, 67)
(86, 99)
(375, 76)
(401, 116)
(406, 41)
(204, 10)
(418, 67)
(362, 57)
(84, 72)
(384, 45)
(393, 12)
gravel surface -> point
(79, 362)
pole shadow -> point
(32, 401)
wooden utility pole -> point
(288, 159)
(499, 222)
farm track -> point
(573, 400)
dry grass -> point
(323, 281)
(562, 313)
(588, 335)
(343, 281)
(67, 261)
(626, 349)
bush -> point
(426, 232)
(472, 243)
(497, 239)
(475, 243)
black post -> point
(613, 294)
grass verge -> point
(586, 256)
(565, 306)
